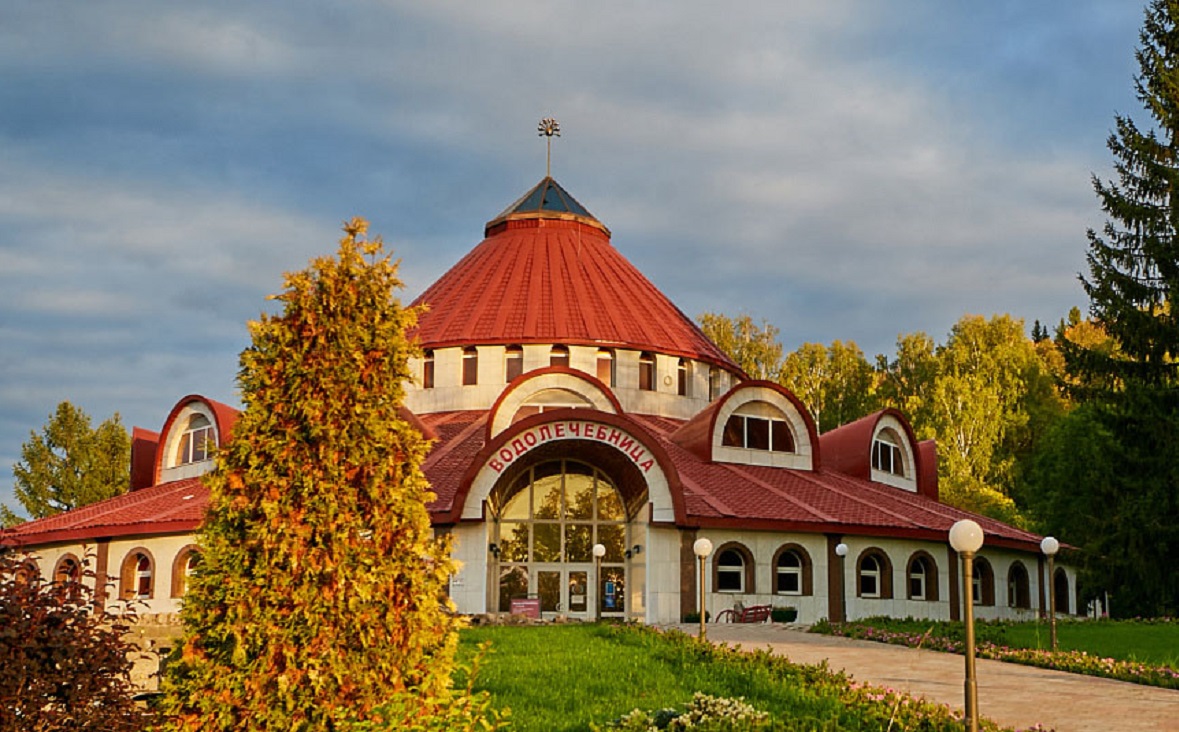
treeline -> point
(988, 394)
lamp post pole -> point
(1050, 546)
(841, 552)
(702, 548)
(966, 537)
(599, 552)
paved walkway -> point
(1014, 695)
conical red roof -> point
(547, 273)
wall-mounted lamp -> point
(633, 551)
(494, 549)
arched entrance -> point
(547, 518)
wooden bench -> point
(751, 614)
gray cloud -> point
(843, 169)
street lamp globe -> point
(966, 536)
(841, 549)
(702, 548)
(599, 550)
(1049, 546)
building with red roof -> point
(586, 435)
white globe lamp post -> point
(702, 548)
(966, 537)
(599, 552)
(1050, 546)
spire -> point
(549, 128)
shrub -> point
(62, 665)
(784, 614)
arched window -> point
(683, 377)
(513, 362)
(714, 380)
(28, 572)
(187, 560)
(792, 571)
(68, 569)
(470, 366)
(136, 578)
(982, 582)
(197, 441)
(559, 356)
(874, 575)
(1018, 587)
(1060, 588)
(922, 577)
(647, 371)
(733, 570)
(886, 453)
(606, 366)
(428, 370)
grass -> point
(565, 678)
(1154, 643)
(1144, 641)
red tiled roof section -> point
(552, 280)
(174, 507)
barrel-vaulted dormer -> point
(883, 448)
(194, 430)
(546, 288)
(756, 423)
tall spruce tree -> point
(321, 588)
(1133, 277)
(1105, 478)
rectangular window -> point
(513, 363)
(470, 367)
(428, 371)
(757, 433)
(647, 372)
(606, 367)
(788, 582)
(917, 586)
(780, 438)
(729, 579)
(868, 585)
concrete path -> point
(1013, 695)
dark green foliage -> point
(62, 667)
(1133, 277)
(70, 464)
(1105, 480)
(321, 590)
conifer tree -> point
(1133, 280)
(70, 464)
(321, 588)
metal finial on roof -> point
(549, 128)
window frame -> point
(882, 574)
(513, 363)
(804, 571)
(470, 366)
(647, 372)
(929, 577)
(744, 572)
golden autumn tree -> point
(322, 590)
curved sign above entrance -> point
(585, 436)
(571, 429)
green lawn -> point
(1152, 642)
(562, 678)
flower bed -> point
(1077, 662)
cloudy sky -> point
(846, 169)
